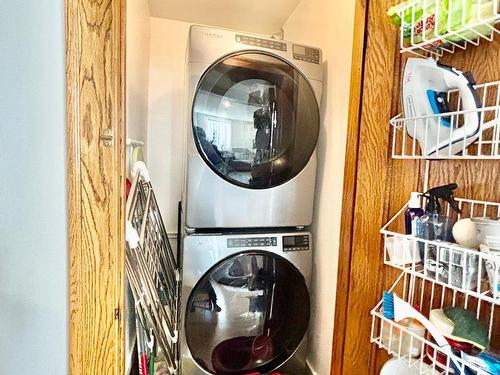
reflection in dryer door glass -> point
(248, 314)
(255, 120)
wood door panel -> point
(376, 186)
(369, 208)
(94, 71)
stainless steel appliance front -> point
(245, 303)
(253, 126)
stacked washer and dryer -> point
(249, 194)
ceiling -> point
(259, 16)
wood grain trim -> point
(351, 161)
(365, 189)
(95, 101)
(372, 184)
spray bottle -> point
(433, 225)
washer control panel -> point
(296, 243)
(306, 54)
(259, 42)
(250, 242)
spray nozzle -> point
(441, 192)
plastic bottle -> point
(413, 212)
(433, 225)
(399, 341)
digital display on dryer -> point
(308, 54)
(299, 50)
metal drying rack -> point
(153, 273)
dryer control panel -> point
(260, 42)
(296, 243)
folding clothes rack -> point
(153, 273)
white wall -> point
(329, 25)
(33, 231)
(167, 114)
(138, 44)
(137, 91)
(258, 16)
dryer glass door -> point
(255, 120)
(248, 314)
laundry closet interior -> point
(225, 105)
(272, 153)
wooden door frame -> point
(359, 279)
(95, 97)
(349, 189)
(369, 193)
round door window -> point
(248, 314)
(255, 120)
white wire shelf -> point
(419, 350)
(469, 271)
(435, 27)
(449, 143)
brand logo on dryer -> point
(213, 35)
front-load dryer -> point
(253, 128)
(245, 303)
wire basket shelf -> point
(419, 350)
(435, 27)
(452, 142)
(153, 274)
(466, 270)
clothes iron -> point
(426, 85)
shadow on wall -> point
(322, 142)
(166, 162)
(317, 286)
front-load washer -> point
(253, 128)
(245, 303)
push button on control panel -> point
(259, 42)
(252, 242)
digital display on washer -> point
(296, 243)
(251, 242)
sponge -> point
(467, 328)
(441, 322)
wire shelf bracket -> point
(446, 142)
(433, 28)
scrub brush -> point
(396, 309)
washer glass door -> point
(249, 313)
(255, 120)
